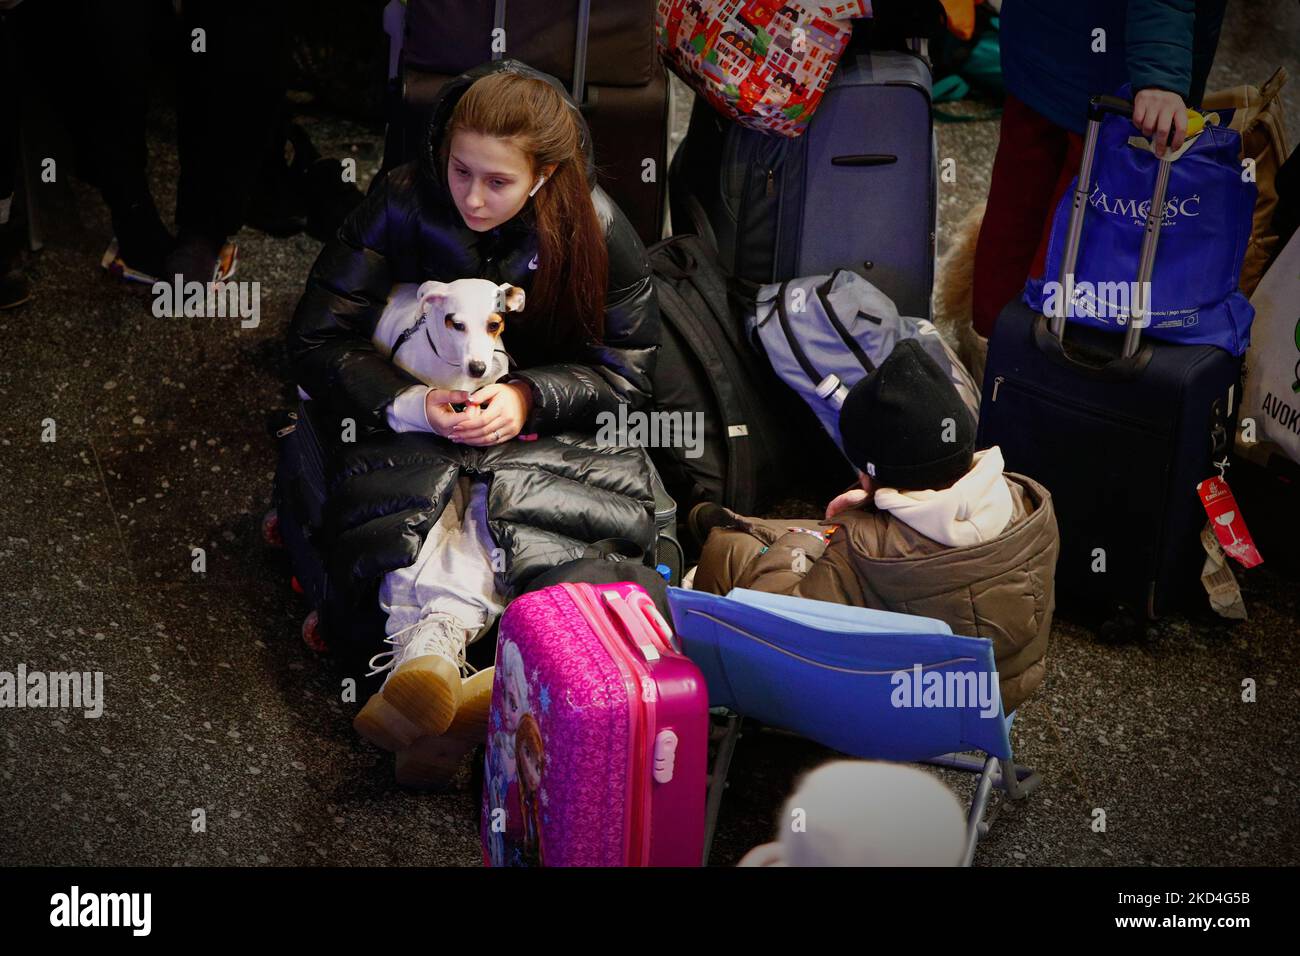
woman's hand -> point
(500, 415)
(437, 409)
(1156, 112)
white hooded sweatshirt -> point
(976, 508)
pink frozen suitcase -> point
(597, 742)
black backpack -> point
(760, 441)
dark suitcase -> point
(298, 512)
(1120, 441)
(856, 191)
(617, 80)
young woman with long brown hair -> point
(504, 190)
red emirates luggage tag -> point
(1229, 527)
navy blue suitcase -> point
(1119, 437)
(298, 503)
(348, 625)
(856, 191)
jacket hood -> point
(977, 507)
(901, 561)
(454, 89)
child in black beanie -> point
(936, 528)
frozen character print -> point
(530, 754)
(503, 776)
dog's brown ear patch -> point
(514, 297)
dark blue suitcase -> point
(348, 625)
(298, 503)
(856, 191)
(1119, 437)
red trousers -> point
(1035, 162)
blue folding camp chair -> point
(871, 684)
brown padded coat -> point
(1001, 589)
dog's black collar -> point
(406, 336)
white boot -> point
(422, 692)
(431, 763)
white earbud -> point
(540, 180)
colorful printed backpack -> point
(763, 63)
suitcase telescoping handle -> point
(1139, 313)
(641, 621)
(579, 45)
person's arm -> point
(832, 577)
(619, 369)
(331, 352)
(407, 412)
(1158, 42)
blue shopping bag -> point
(1205, 227)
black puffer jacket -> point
(548, 497)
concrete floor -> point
(212, 702)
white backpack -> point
(823, 334)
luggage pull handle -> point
(865, 159)
(640, 628)
(1139, 314)
(646, 605)
(1099, 362)
(579, 87)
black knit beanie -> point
(893, 423)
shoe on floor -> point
(115, 264)
(14, 290)
(141, 243)
(431, 763)
(196, 259)
(227, 261)
(422, 692)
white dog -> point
(448, 334)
